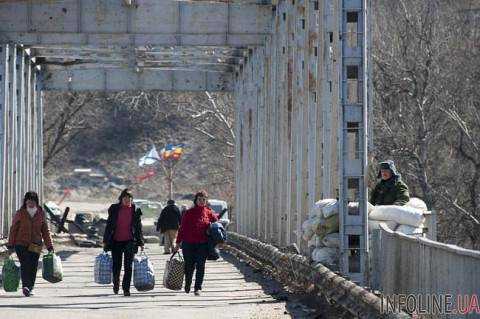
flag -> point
(150, 158)
(171, 151)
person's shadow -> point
(297, 305)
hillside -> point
(109, 134)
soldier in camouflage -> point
(391, 190)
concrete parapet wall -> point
(358, 301)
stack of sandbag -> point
(408, 219)
(325, 255)
(323, 220)
(321, 231)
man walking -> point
(168, 224)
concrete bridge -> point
(300, 73)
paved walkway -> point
(228, 293)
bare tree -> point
(64, 120)
(422, 54)
(215, 120)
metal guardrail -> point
(358, 301)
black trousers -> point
(28, 265)
(195, 256)
(125, 249)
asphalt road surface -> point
(231, 290)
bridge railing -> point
(403, 264)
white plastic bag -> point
(325, 208)
(308, 234)
(332, 240)
(52, 270)
(400, 214)
(375, 224)
(417, 203)
(325, 255)
(309, 226)
(409, 230)
(353, 206)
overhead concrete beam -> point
(149, 22)
(124, 79)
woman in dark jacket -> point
(192, 237)
(123, 235)
(28, 228)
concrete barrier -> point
(297, 269)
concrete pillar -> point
(4, 106)
(314, 125)
(19, 125)
(28, 127)
(35, 116)
(39, 155)
(272, 156)
(281, 174)
(302, 173)
(12, 135)
(21, 128)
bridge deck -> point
(228, 293)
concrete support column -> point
(282, 205)
(21, 128)
(12, 136)
(238, 196)
(19, 125)
(39, 141)
(303, 149)
(4, 109)
(28, 129)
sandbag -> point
(327, 226)
(309, 226)
(52, 268)
(409, 230)
(417, 203)
(10, 275)
(143, 274)
(325, 208)
(375, 224)
(332, 240)
(400, 214)
(353, 206)
(325, 255)
(102, 269)
(312, 242)
(308, 234)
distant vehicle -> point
(150, 209)
(220, 207)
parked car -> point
(221, 208)
(150, 209)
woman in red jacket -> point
(28, 233)
(192, 236)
